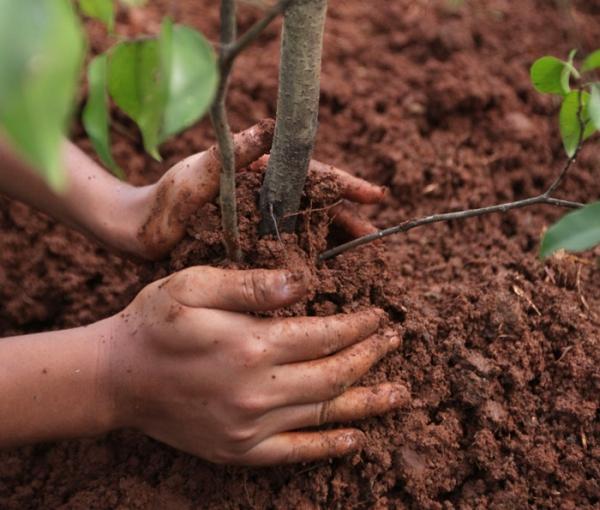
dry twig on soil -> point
(405, 226)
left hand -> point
(194, 181)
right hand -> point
(189, 367)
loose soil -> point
(500, 351)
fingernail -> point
(353, 440)
(392, 338)
(294, 281)
(382, 315)
(399, 396)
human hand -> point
(188, 367)
(191, 183)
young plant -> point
(163, 83)
(297, 112)
(579, 118)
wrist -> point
(122, 387)
(53, 385)
(118, 222)
(99, 204)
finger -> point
(236, 290)
(293, 447)
(353, 188)
(307, 338)
(252, 143)
(354, 404)
(192, 183)
(348, 219)
(249, 145)
(199, 174)
(324, 379)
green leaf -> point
(592, 61)
(164, 84)
(133, 3)
(576, 231)
(547, 76)
(136, 84)
(96, 115)
(569, 122)
(594, 105)
(41, 52)
(104, 10)
(193, 80)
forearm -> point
(94, 201)
(53, 385)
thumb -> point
(253, 290)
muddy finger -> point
(353, 188)
(309, 338)
(348, 219)
(293, 447)
(326, 378)
(354, 404)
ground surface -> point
(500, 352)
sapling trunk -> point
(297, 112)
(218, 115)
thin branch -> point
(229, 49)
(436, 218)
(405, 226)
(233, 50)
(310, 210)
(218, 116)
(544, 198)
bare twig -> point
(218, 116)
(436, 218)
(275, 223)
(458, 215)
(255, 30)
(544, 198)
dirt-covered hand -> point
(191, 368)
(353, 190)
(188, 185)
(195, 181)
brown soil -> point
(500, 351)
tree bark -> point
(297, 113)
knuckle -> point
(238, 436)
(250, 405)
(254, 287)
(334, 383)
(251, 355)
(323, 412)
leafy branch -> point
(579, 118)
